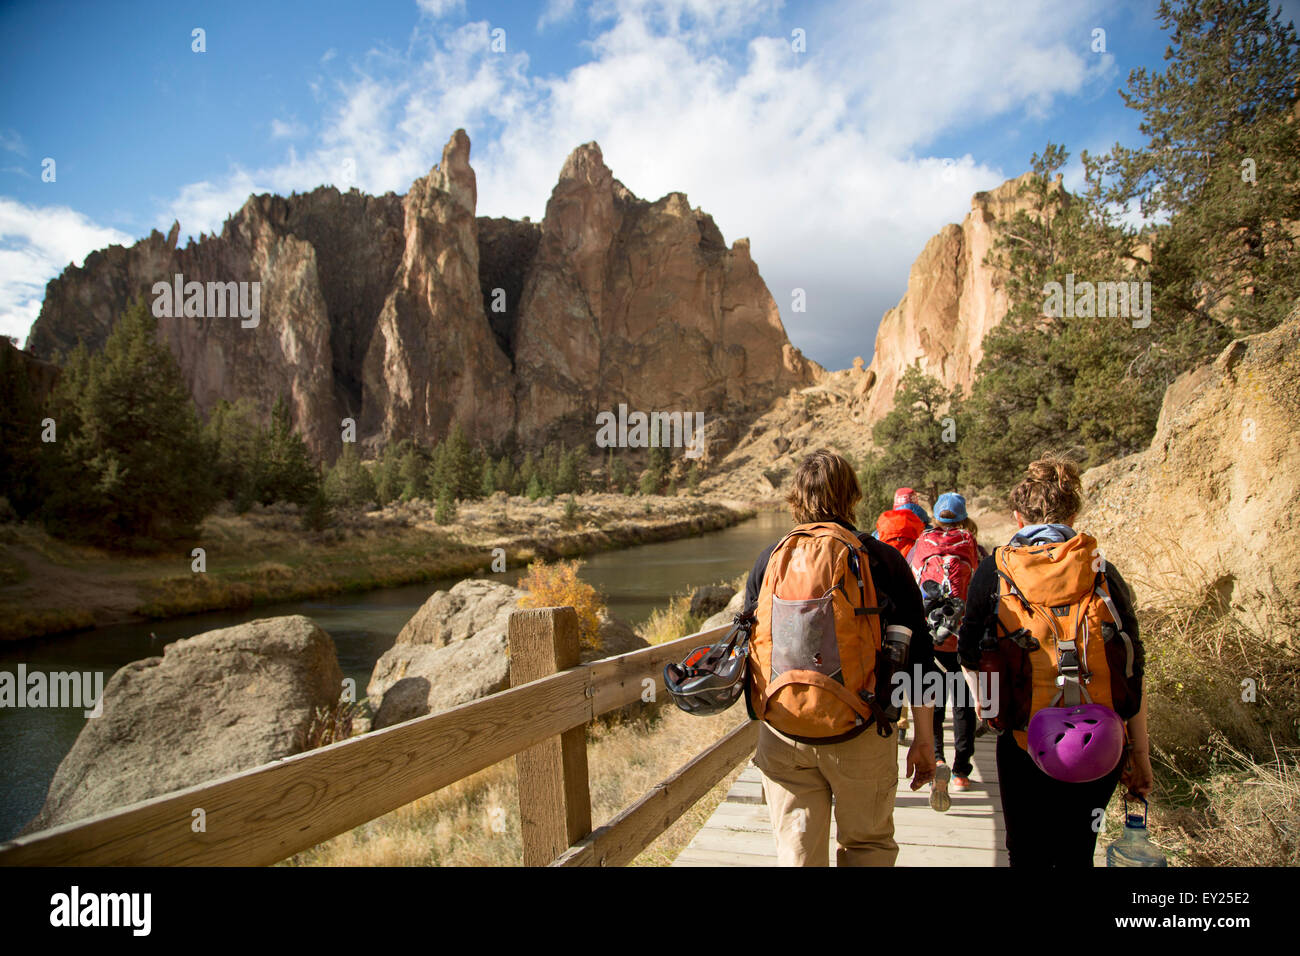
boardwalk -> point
(970, 834)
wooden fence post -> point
(554, 796)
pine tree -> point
(349, 483)
(232, 434)
(130, 467)
(445, 511)
(487, 479)
(20, 442)
(622, 481)
(284, 468)
(413, 473)
(1220, 161)
(911, 436)
(504, 476)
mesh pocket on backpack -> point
(803, 637)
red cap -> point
(904, 496)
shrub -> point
(558, 585)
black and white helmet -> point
(712, 678)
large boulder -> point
(212, 705)
(456, 648)
(710, 599)
(419, 679)
(1212, 505)
(471, 607)
(734, 607)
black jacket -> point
(896, 590)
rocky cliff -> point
(953, 298)
(1211, 506)
(409, 314)
(644, 303)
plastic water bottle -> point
(1134, 848)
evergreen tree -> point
(487, 479)
(445, 511)
(388, 483)
(504, 476)
(413, 473)
(20, 442)
(233, 433)
(534, 490)
(130, 467)
(284, 468)
(1220, 161)
(619, 476)
(912, 434)
(349, 483)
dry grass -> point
(1223, 686)
(1246, 813)
(475, 822)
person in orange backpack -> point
(1050, 622)
(944, 560)
(837, 631)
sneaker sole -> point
(939, 799)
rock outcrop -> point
(456, 648)
(643, 303)
(212, 705)
(1209, 507)
(409, 314)
(953, 298)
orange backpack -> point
(816, 635)
(899, 528)
(1058, 639)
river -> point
(634, 581)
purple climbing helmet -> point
(1076, 744)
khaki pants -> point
(798, 782)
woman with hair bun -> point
(1051, 621)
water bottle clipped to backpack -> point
(1134, 848)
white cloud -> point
(823, 159)
(437, 9)
(557, 11)
(287, 129)
(36, 243)
(11, 142)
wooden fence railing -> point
(268, 813)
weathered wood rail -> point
(269, 813)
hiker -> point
(835, 612)
(1050, 610)
(899, 528)
(907, 499)
(943, 560)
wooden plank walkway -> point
(971, 833)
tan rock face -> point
(1214, 502)
(433, 359)
(386, 310)
(644, 303)
(952, 300)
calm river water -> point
(634, 581)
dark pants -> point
(963, 719)
(1049, 822)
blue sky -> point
(838, 162)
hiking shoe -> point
(961, 783)
(939, 799)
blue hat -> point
(950, 508)
(918, 511)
